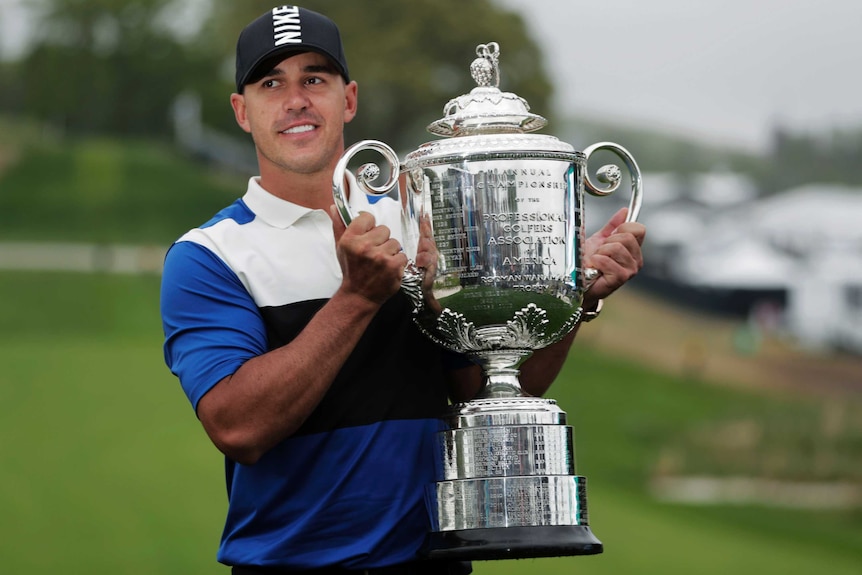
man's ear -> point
(237, 102)
(351, 95)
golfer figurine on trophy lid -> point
(503, 209)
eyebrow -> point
(321, 69)
(310, 69)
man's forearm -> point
(270, 396)
(542, 368)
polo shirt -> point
(348, 487)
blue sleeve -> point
(211, 323)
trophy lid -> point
(486, 110)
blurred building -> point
(792, 262)
(206, 144)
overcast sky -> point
(724, 70)
(720, 70)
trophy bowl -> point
(495, 215)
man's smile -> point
(299, 129)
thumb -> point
(616, 221)
(595, 241)
(338, 226)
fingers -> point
(601, 236)
(363, 232)
(616, 221)
(426, 253)
(621, 250)
(362, 223)
(618, 257)
(626, 241)
(638, 231)
(364, 226)
(372, 262)
(425, 229)
(617, 264)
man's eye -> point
(314, 80)
(270, 83)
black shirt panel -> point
(394, 372)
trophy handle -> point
(411, 282)
(367, 174)
(611, 176)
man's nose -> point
(295, 98)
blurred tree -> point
(409, 58)
(799, 158)
(115, 66)
(102, 66)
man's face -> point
(296, 114)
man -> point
(292, 340)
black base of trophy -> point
(512, 543)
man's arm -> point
(270, 396)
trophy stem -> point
(501, 385)
(500, 373)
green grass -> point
(644, 414)
(106, 470)
(625, 417)
(106, 191)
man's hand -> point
(615, 251)
(372, 263)
(426, 260)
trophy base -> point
(512, 543)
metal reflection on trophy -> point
(493, 224)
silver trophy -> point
(494, 216)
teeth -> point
(299, 129)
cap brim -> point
(268, 61)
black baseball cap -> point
(282, 31)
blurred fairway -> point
(106, 470)
(107, 191)
(104, 467)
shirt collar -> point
(282, 213)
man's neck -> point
(312, 191)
